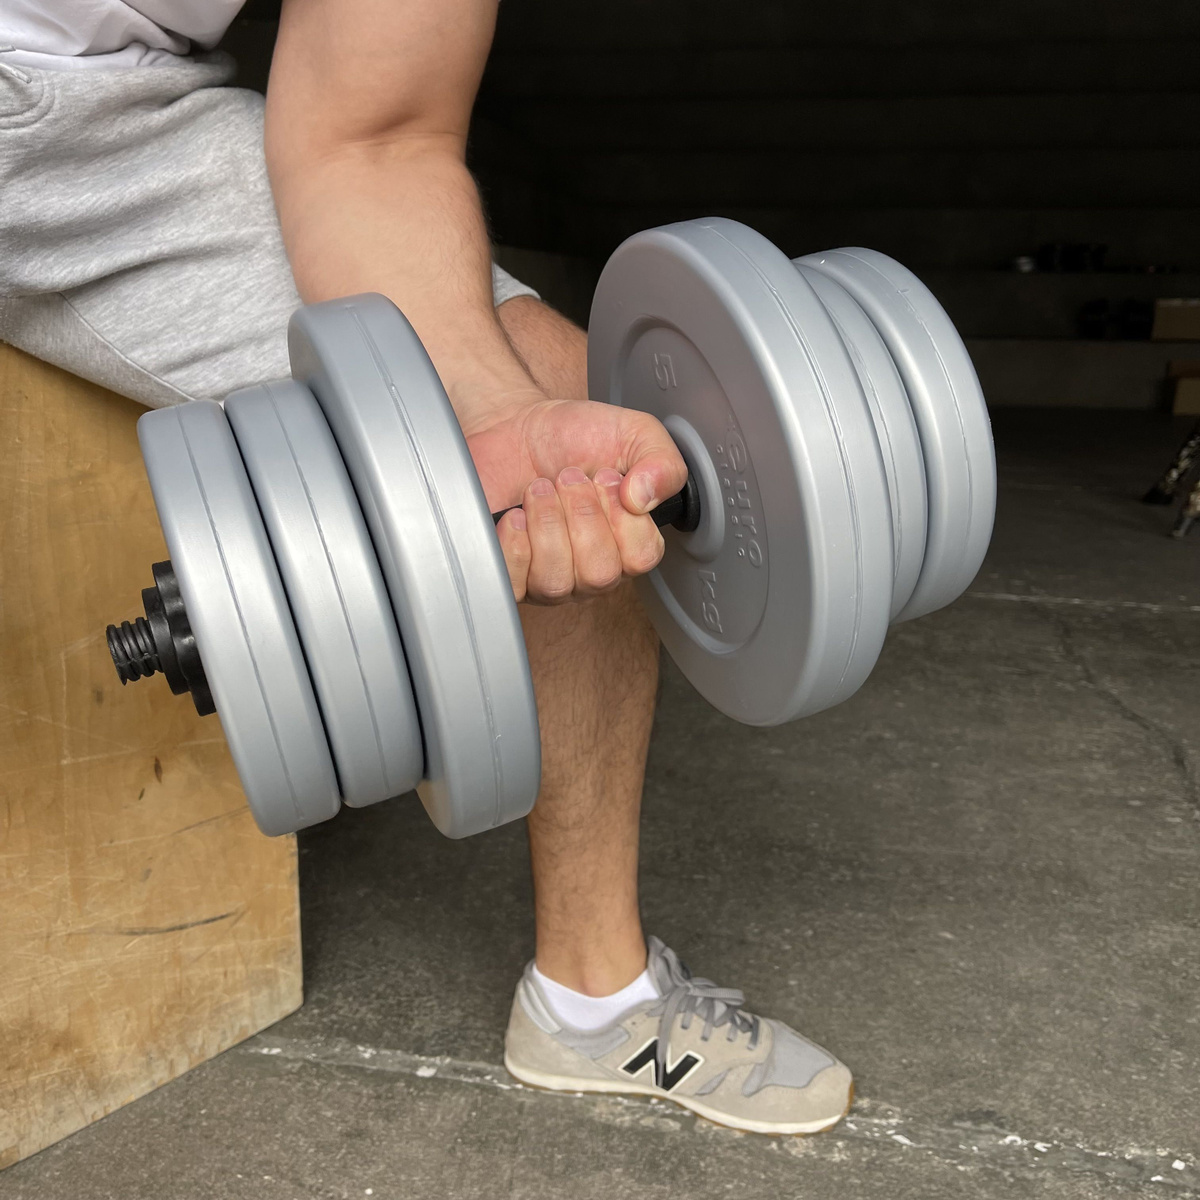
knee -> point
(616, 619)
(553, 348)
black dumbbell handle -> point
(681, 511)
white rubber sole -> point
(561, 1083)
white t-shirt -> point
(110, 33)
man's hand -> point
(586, 475)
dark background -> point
(954, 136)
(948, 134)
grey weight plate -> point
(780, 609)
(895, 426)
(441, 560)
(956, 435)
(335, 588)
(238, 612)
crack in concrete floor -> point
(1081, 602)
(964, 1144)
(1156, 730)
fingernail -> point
(607, 477)
(542, 487)
(572, 476)
(641, 492)
(517, 519)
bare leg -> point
(595, 671)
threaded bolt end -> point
(132, 649)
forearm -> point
(401, 215)
(368, 108)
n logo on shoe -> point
(667, 1077)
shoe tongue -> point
(658, 965)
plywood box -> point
(1186, 397)
(145, 923)
(1176, 320)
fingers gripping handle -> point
(681, 511)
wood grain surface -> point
(145, 924)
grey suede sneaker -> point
(694, 1045)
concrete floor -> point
(978, 881)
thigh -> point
(139, 245)
(145, 252)
(553, 348)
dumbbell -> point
(336, 591)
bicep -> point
(360, 71)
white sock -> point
(593, 1012)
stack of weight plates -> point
(341, 576)
(836, 430)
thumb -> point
(656, 469)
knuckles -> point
(644, 555)
(545, 571)
(548, 516)
(601, 577)
(553, 588)
(518, 550)
(586, 509)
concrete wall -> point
(1057, 373)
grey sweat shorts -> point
(139, 246)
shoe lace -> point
(689, 997)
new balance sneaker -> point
(695, 1045)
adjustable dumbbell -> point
(336, 587)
